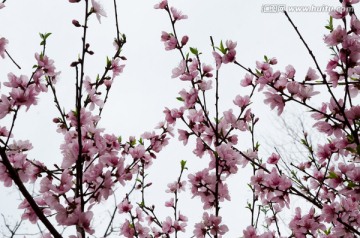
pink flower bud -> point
(76, 23)
(184, 40)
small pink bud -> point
(184, 40)
(76, 23)
(273, 61)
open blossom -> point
(176, 72)
(289, 72)
(247, 80)
(273, 159)
(169, 40)
(125, 206)
(98, 9)
(231, 52)
(311, 75)
(46, 64)
(242, 101)
(335, 37)
(3, 43)
(306, 92)
(161, 5)
(116, 67)
(177, 14)
(275, 100)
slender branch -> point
(12, 58)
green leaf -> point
(183, 163)
(47, 35)
(266, 58)
(119, 139)
(257, 146)
(333, 175)
(351, 184)
(141, 141)
(180, 99)
(222, 48)
(328, 231)
(194, 51)
(258, 72)
(108, 62)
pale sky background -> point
(140, 94)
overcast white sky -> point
(140, 94)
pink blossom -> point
(293, 87)
(176, 72)
(4, 176)
(210, 223)
(46, 64)
(171, 43)
(311, 75)
(273, 159)
(95, 100)
(116, 67)
(339, 14)
(127, 229)
(125, 206)
(176, 187)
(205, 85)
(207, 70)
(189, 97)
(247, 80)
(262, 66)
(138, 152)
(2, 5)
(177, 15)
(3, 43)
(84, 221)
(289, 72)
(170, 203)
(335, 37)
(167, 226)
(275, 100)
(142, 232)
(306, 92)
(172, 115)
(242, 102)
(162, 5)
(24, 97)
(98, 10)
(218, 60)
(15, 82)
(250, 232)
(355, 24)
(308, 224)
(200, 148)
(229, 157)
(4, 132)
(183, 136)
